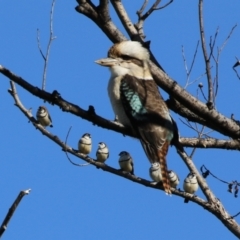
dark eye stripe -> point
(134, 60)
(126, 57)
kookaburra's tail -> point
(162, 153)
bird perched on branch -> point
(102, 153)
(85, 144)
(190, 184)
(173, 178)
(44, 117)
(137, 102)
(126, 162)
(155, 172)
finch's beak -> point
(107, 62)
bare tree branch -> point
(216, 121)
(125, 20)
(92, 161)
(194, 105)
(213, 205)
(210, 143)
(12, 210)
(219, 210)
(100, 16)
(183, 103)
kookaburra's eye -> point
(126, 57)
(133, 60)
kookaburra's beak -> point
(107, 62)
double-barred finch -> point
(102, 153)
(190, 184)
(137, 102)
(126, 162)
(155, 172)
(44, 117)
(85, 144)
(173, 178)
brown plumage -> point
(162, 153)
(150, 120)
(137, 102)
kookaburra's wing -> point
(150, 119)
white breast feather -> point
(114, 95)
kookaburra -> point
(137, 102)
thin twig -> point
(197, 79)
(185, 65)
(46, 56)
(228, 37)
(139, 12)
(202, 92)
(199, 137)
(233, 186)
(142, 17)
(39, 44)
(220, 49)
(234, 215)
(191, 67)
(212, 45)
(215, 176)
(206, 58)
(12, 210)
(165, 5)
(152, 8)
(236, 73)
(188, 124)
(194, 57)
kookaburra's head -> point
(127, 57)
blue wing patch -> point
(134, 102)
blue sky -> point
(69, 202)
